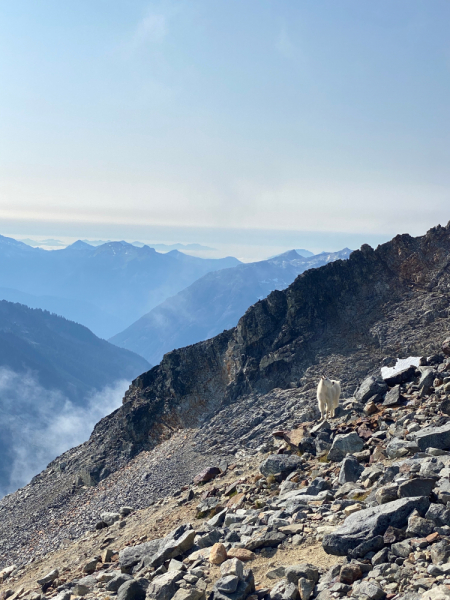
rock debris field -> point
(289, 508)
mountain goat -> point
(328, 392)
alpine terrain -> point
(216, 479)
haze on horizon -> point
(234, 124)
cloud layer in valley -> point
(40, 424)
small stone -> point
(350, 573)
(232, 567)
(276, 573)
(90, 566)
(218, 554)
(241, 553)
(109, 518)
(49, 577)
(227, 584)
(305, 587)
(125, 510)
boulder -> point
(177, 542)
(433, 437)
(438, 592)
(109, 517)
(284, 590)
(350, 573)
(265, 539)
(245, 586)
(438, 514)
(398, 448)
(49, 577)
(393, 397)
(279, 463)
(418, 527)
(135, 589)
(207, 475)
(164, 586)
(426, 381)
(350, 470)
(305, 570)
(420, 486)
(305, 588)
(368, 590)
(344, 444)
(190, 594)
(117, 581)
(131, 556)
(241, 553)
(371, 387)
(387, 493)
(446, 347)
(440, 552)
(218, 554)
(370, 523)
(232, 567)
(400, 376)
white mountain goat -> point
(328, 392)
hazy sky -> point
(185, 119)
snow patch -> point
(400, 365)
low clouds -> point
(40, 424)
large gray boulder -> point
(350, 470)
(371, 387)
(135, 589)
(433, 437)
(177, 542)
(372, 522)
(164, 586)
(132, 556)
(156, 552)
(279, 463)
(343, 444)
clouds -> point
(152, 29)
(39, 424)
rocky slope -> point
(214, 302)
(355, 506)
(215, 400)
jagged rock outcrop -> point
(376, 304)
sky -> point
(248, 125)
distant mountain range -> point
(214, 302)
(157, 246)
(106, 287)
(50, 369)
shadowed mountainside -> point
(214, 302)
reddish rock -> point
(350, 573)
(206, 475)
(218, 554)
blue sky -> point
(209, 119)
